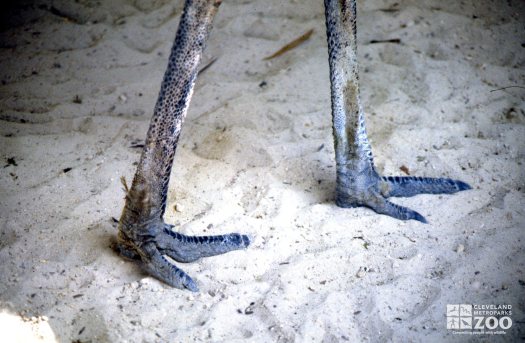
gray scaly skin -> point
(358, 183)
(144, 236)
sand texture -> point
(79, 80)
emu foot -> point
(373, 191)
(152, 247)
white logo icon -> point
(459, 316)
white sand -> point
(78, 87)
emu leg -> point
(358, 183)
(143, 235)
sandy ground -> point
(78, 84)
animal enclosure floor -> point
(443, 88)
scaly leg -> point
(143, 235)
(358, 183)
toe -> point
(184, 248)
(407, 186)
(462, 186)
(189, 284)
